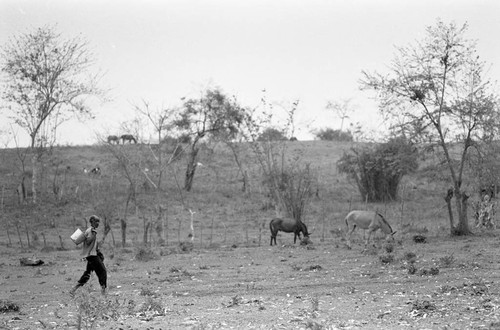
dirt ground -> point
(442, 283)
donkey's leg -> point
(349, 234)
(370, 231)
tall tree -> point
(436, 90)
(47, 82)
(212, 114)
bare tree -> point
(437, 91)
(162, 121)
(47, 81)
(342, 109)
(211, 114)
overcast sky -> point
(311, 50)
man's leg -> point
(84, 279)
(101, 273)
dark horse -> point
(113, 139)
(128, 137)
(287, 226)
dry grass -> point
(191, 281)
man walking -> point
(93, 256)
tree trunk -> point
(124, 231)
(463, 223)
(146, 231)
(159, 225)
(34, 177)
(191, 168)
(448, 198)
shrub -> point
(386, 258)
(419, 239)
(153, 305)
(145, 254)
(329, 134)
(447, 261)
(8, 306)
(410, 257)
(378, 171)
(290, 188)
(271, 134)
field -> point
(227, 276)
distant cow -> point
(128, 137)
(113, 139)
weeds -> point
(386, 258)
(447, 261)
(145, 254)
(92, 308)
(8, 306)
(419, 239)
(422, 308)
(314, 305)
(152, 305)
(235, 301)
(428, 272)
(389, 247)
(147, 292)
(410, 257)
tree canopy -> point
(46, 81)
(436, 91)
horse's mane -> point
(385, 221)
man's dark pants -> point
(94, 263)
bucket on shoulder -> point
(78, 236)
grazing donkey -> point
(128, 137)
(370, 220)
(113, 139)
(287, 226)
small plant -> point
(147, 292)
(476, 289)
(422, 307)
(153, 305)
(419, 239)
(145, 254)
(429, 272)
(186, 246)
(235, 301)
(174, 269)
(447, 261)
(8, 306)
(386, 258)
(314, 268)
(389, 247)
(410, 257)
(412, 269)
(314, 305)
(92, 308)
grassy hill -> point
(223, 213)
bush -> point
(145, 254)
(329, 134)
(8, 306)
(272, 134)
(386, 258)
(290, 188)
(378, 172)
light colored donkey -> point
(370, 220)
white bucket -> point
(78, 236)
